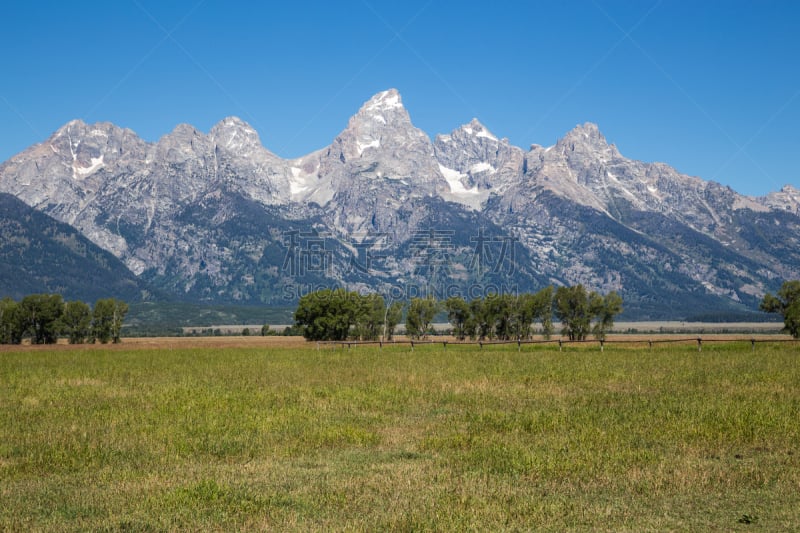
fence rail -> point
(560, 342)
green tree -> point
(370, 316)
(420, 315)
(572, 308)
(787, 304)
(107, 319)
(480, 325)
(524, 313)
(394, 314)
(500, 309)
(39, 316)
(76, 322)
(328, 314)
(604, 309)
(577, 309)
(458, 314)
(543, 310)
(10, 327)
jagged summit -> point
(786, 199)
(79, 129)
(383, 109)
(474, 127)
(382, 129)
(587, 133)
(75, 123)
(232, 124)
(234, 134)
(585, 143)
(383, 101)
(182, 131)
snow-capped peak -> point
(385, 100)
(478, 130)
(384, 110)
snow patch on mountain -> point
(482, 167)
(94, 164)
(454, 178)
(374, 143)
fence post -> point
(699, 344)
(412, 346)
(753, 343)
(559, 345)
(444, 343)
(519, 345)
(601, 346)
(650, 345)
(480, 343)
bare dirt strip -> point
(176, 343)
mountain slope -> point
(40, 255)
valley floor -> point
(269, 433)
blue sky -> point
(710, 87)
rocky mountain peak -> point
(77, 150)
(77, 131)
(183, 144)
(475, 163)
(383, 101)
(381, 126)
(235, 135)
(383, 109)
(587, 134)
(478, 130)
(586, 145)
(182, 132)
(787, 199)
(73, 125)
(471, 133)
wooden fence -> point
(560, 342)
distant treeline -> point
(45, 317)
(722, 317)
(337, 314)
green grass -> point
(369, 439)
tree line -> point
(338, 314)
(46, 317)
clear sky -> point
(710, 87)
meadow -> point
(259, 437)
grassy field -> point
(141, 438)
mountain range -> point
(216, 217)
